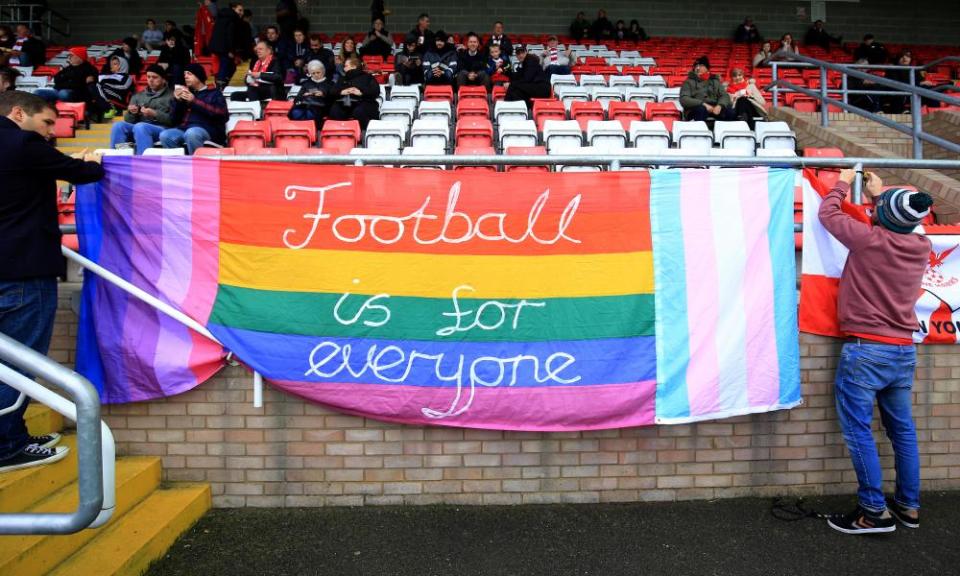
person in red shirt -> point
(878, 292)
(203, 27)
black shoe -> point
(33, 455)
(862, 521)
(45, 441)
(899, 512)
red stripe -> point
(818, 305)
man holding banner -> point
(878, 291)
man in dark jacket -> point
(871, 51)
(602, 28)
(580, 27)
(225, 42)
(472, 64)
(200, 113)
(703, 95)
(28, 50)
(440, 63)
(876, 311)
(498, 38)
(817, 35)
(30, 259)
(747, 32)
(264, 78)
(73, 83)
(423, 34)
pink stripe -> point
(547, 409)
(703, 300)
(763, 368)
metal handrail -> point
(939, 61)
(96, 451)
(36, 14)
(898, 88)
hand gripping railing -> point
(895, 88)
(95, 447)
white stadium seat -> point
(562, 134)
(650, 136)
(776, 135)
(736, 135)
(693, 137)
(519, 133)
(606, 135)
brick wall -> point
(923, 21)
(293, 453)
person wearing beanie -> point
(174, 58)
(75, 82)
(147, 115)
(200, 113)
(703, 96)
(440, 62)
(876, 309)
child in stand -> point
(498, 66)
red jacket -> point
(203, 31)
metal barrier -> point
(850, 70)
(96, 451)
(40, 18)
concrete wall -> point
(294, 453)
(921, 22)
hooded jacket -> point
(74, 77)
(695, 92)
(446, 60)
(115, 87)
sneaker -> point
(33, 455)
(861, 521)
(109, 114)
(45, 441)
(899, 512)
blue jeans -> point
(884, 373)
(54, 96)
(27, 309)
(176, 138)
(226, 69)
(143, 134)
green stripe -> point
(312, 314)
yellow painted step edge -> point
(143, 535)
(137, 477)
(21, 489)
(42, 420)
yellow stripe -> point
(435, 276)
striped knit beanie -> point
(900, 210)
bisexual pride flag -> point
(521, 301)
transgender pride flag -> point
(520, 301)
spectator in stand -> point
(378, 10)
(898, 104)
(265, 77)
(8, 78)
(127, 51)
(762, 58)
(440, 63)
(423, 34)
(171, 27)
(703, 96)
(74, 82)
(112, 90)
(324, 55)
(747, 32)
(529, 81)
(871, 51)
(497, 65)
(748, 101)
(602, 28)
(301, 46)
(817, 36)
(498, 38)
(580, 27)
(472, 64)
(620, 31)
(226, 42)
(348, 49)
(173, 58)
(316, 92)
(7, 38)
(377, 41)
(553, 60)
(636, 32)
(409, 64)
(787, 44)
(199, 113)
(203, 27)
(288, 17)
(282, 46)
(356, 95)
(27, 50)
(246, 35)
(151, 38)
(148, 113)
(868, 102)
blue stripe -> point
(780, 184)
(288, 357)
(672, 334)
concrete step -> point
(21, 489)
(141, 536)
(137, 477)
(42, 420)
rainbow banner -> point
(521, 301)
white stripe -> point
(823, 255)
(731, 261)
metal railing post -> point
(843, 87)
(776, 89)
(917, 118)
(824, 107)
(857, 192)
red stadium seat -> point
(295, 134)
(625, 112)
(499, 93)
(64, 127)
(473, 131)
(337, 133)
(666, 112)
(267, 151)
(548, 109)
(435, 92)
(802, 102)
(249, 134)
(592, 110)
(473, 107)
(527, 151)
(467, 92)
(75, 110)
(277, 108)
(471, 150)
(215, 152)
